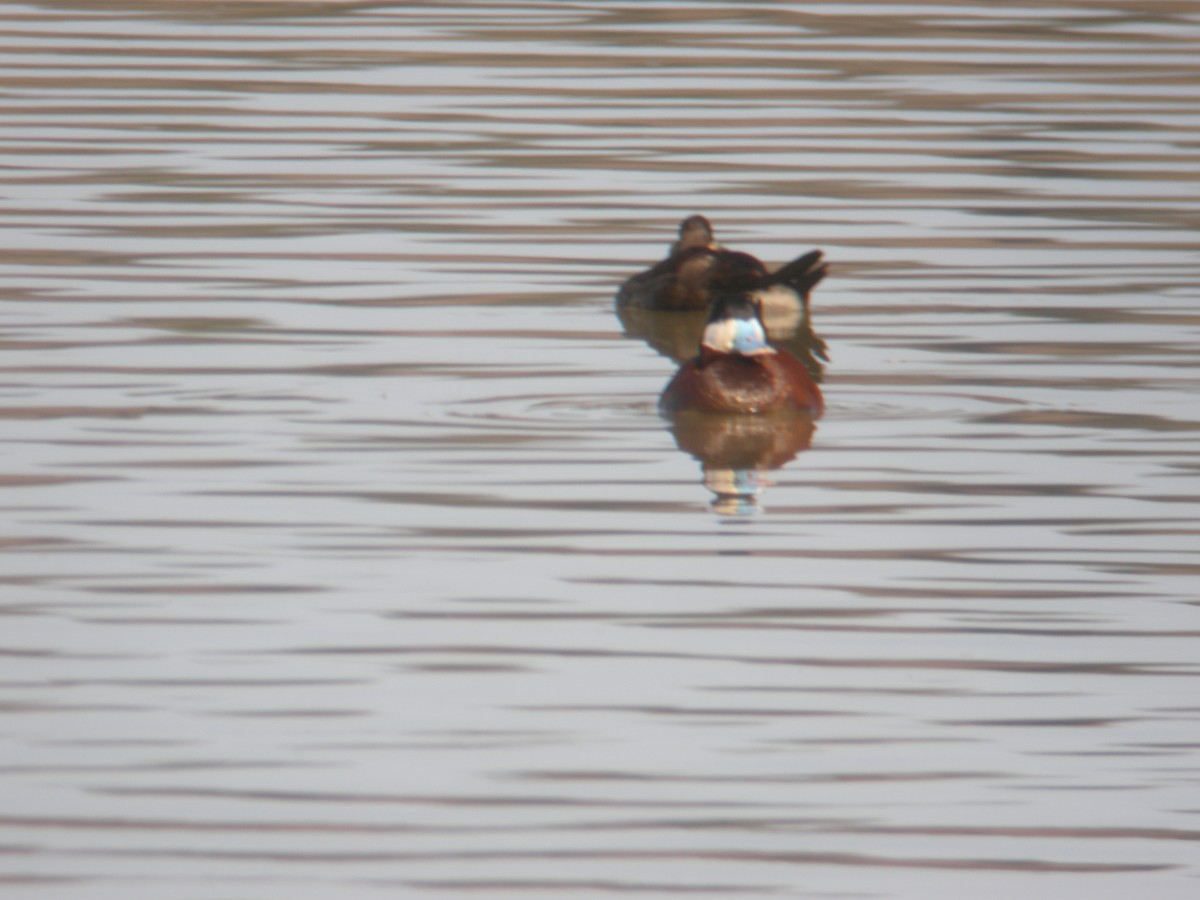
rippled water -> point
(345, 553)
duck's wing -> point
(678, 282)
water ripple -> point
(345, 547)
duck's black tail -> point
(802, 274)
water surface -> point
(345, 553)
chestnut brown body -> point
(727, 383)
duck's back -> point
(686, 279)
(678, 282)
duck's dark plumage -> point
(697, 269)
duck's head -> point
(733, 272)
(735, 328)
(695, 232)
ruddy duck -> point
(737, 371)
(689, 278)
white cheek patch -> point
(743, 336)
(720, 335)
(779, 300)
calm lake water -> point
(344, 551)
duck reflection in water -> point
(668, 304)
(736, 451)
(740, 406)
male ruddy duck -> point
(689, 278)
(737, 371)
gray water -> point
(345, 554)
